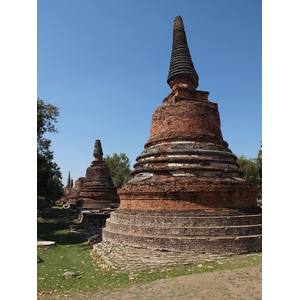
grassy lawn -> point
(72, 253)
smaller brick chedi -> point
(68, 188)
(186, 193)
(73, 197)
(97, 191)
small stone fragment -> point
(68, 274)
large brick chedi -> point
(186, 193)
(98, 192)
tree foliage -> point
(249, 169)
(48, 173)
(119, 166)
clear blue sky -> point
(104, 64)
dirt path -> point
(242, 284)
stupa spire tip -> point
(181, 71)
(98, 153)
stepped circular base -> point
(216, 231)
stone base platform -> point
(232, 231)
(90, 218)
(124, 258)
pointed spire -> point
(68, 182)
(98, 154)
(181, 69)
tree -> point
(119, 166)
(249, 169)
(48, 173)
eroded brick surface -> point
(186, 172)
(73, 198)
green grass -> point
(72, 253)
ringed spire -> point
(98, 153)
(181, 66)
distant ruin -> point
(67, 190)
(73, 198)
(259, 165)
(97, 191)
(186, 193)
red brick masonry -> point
(98, 191)
(186, 193)
(213, 232)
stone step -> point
(161, 230)
(200, 238)
(220, 244)
(46, 243)
(185, 221)
(121, 252)
(120, 257)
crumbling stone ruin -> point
(97, 191)
(69, 185)
(73, 198)
(186, 193)
(259, 165)
(67, 190)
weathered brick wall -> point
(186, 120)
(98, 171)
(188, 193)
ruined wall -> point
(187, 194)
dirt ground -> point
(242, 284)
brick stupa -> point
(73, 197)
(186, 193)
(97, 191)
(67, 190)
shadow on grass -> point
(55, 226)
